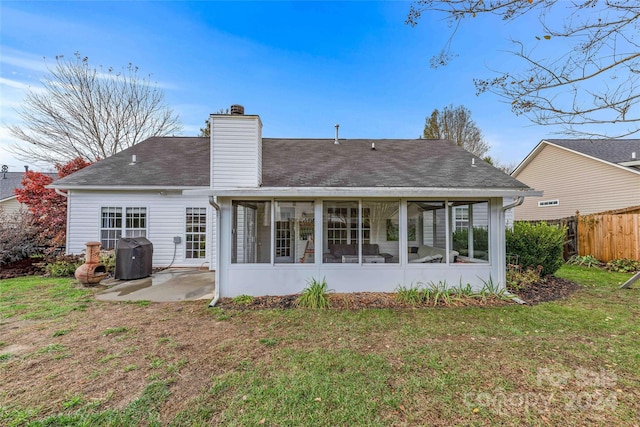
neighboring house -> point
(268, 214)
(9, 182)
(589, 176)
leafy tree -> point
(48, 209)
(586, 77)
(456, 124)
(90, 113)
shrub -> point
(460, 239)
(623, 265)
(63, 265)
(518, 279)
(537, 244)
(18, 237)
(314, 295)
(108, 259)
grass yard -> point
(67, 359)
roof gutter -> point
(336, 192)
(216, 289)
(125, 187)
(62, 193)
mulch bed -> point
(552, 288)
(24, 267)
(549, 289)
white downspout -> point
(216, 291)
(516, 203)
(67, 234)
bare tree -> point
(504, 167)
(90, 113)
(456, 124)
(592, 79)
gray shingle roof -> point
(161, 162)
(610, 150)
(393, 163)
(9, 181)
(184, 161)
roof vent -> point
(633, 155)
(336, 142)
(473, 163)
(134, 159)
(373, 146)
(237, 110)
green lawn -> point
(569, 362)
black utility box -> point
(134, 256)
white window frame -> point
(460, 217)
(197, 237)
(548, 203)
(118, 224)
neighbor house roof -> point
(614, 151)
(610, 150)
(180, 162)
(10, 181)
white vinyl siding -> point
(236, 151)
(166, 219)
(578, 182)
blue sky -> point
(301, 66)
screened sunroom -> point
(359, 231)
(273, 246)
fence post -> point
(578, 233)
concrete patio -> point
(171, 285)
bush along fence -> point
(537, 246)
(607, 236)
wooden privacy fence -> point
(606, 236)
(610, 235)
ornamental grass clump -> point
(412, 295)
(315, 295)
